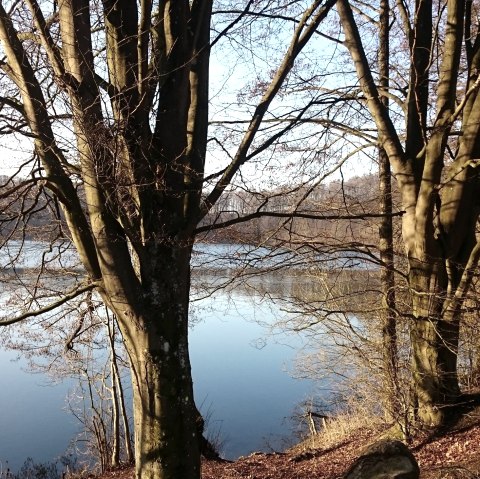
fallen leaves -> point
(455, 455)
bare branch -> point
(292, 215)
(303, 32)
(50, 307)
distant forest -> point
(338, 211)
(292, 216)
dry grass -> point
(353, 421)
(452, 455)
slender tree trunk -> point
(126, 426)
(98, 427)
(120, 394)
(115, 455)
(387, 278)
(123, 411)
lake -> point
(242, 380)
(244, 374)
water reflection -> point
(242, 363)
(33, 419)
(243, 374)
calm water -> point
(241, 377)
(33, 421)
(243, 374)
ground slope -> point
(454, 455)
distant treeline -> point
(326, 214)
(28, 210)
(292, 215)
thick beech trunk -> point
(166, 442)
(434, 369)
(166, 445)
(434, 339)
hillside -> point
(453, 455)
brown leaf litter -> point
(454, 455)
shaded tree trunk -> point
(166, 445)
(166, 442)
(387, 276)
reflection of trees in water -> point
(78, 341)
(297, 287)
(338, 315)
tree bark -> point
(166, 442)
(387, 276)
(434, 338)
(166, 446)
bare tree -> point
(435, 168)
(114, 96)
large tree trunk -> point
(166, 446)
(166, 442)
(434, 339)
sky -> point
(236, 70)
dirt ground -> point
(454, 455)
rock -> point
(386, 459)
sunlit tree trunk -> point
(115, 439)
(123, 409)
(166, 442)
(438, 225)
(434, 345)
